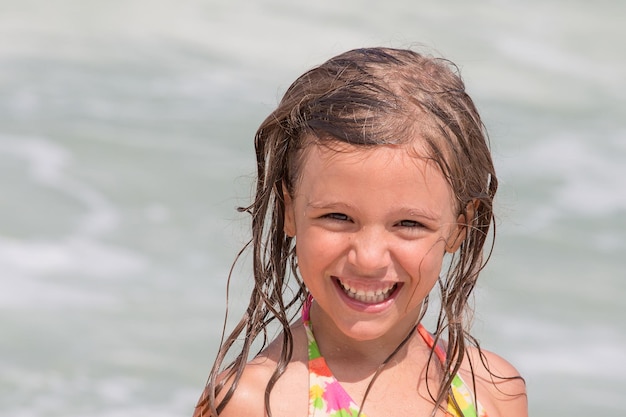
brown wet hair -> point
(364, 97)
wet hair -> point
(364, 97)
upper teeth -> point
(368, 296)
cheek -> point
(316, 250)
(424, 263)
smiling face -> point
(372, 226)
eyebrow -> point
(327, 205)
(419, 212)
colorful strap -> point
(459, 389)
(327, 398)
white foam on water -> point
(584, 179)
(544, 347)
(46, 161)
(578, 360)
(28, 264)
(73, 255)
(29, 267)
(112, 396)
(544, 56)
(47, 166)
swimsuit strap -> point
(327, 398)
(459, 389)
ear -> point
(290, 221)
(463, 222)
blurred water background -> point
(126, 143)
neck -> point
(339, 350)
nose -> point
(369, 251)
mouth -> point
(370, 295)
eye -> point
(336, 216)
(410, 224)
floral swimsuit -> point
(327, 398)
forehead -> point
(334, 154)
(387, 173)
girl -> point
(374, 174)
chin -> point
(365, 331)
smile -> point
(369, 296)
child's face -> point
(371, 227)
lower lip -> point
(366, 307)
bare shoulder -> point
(248, 397)
(499, 382)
